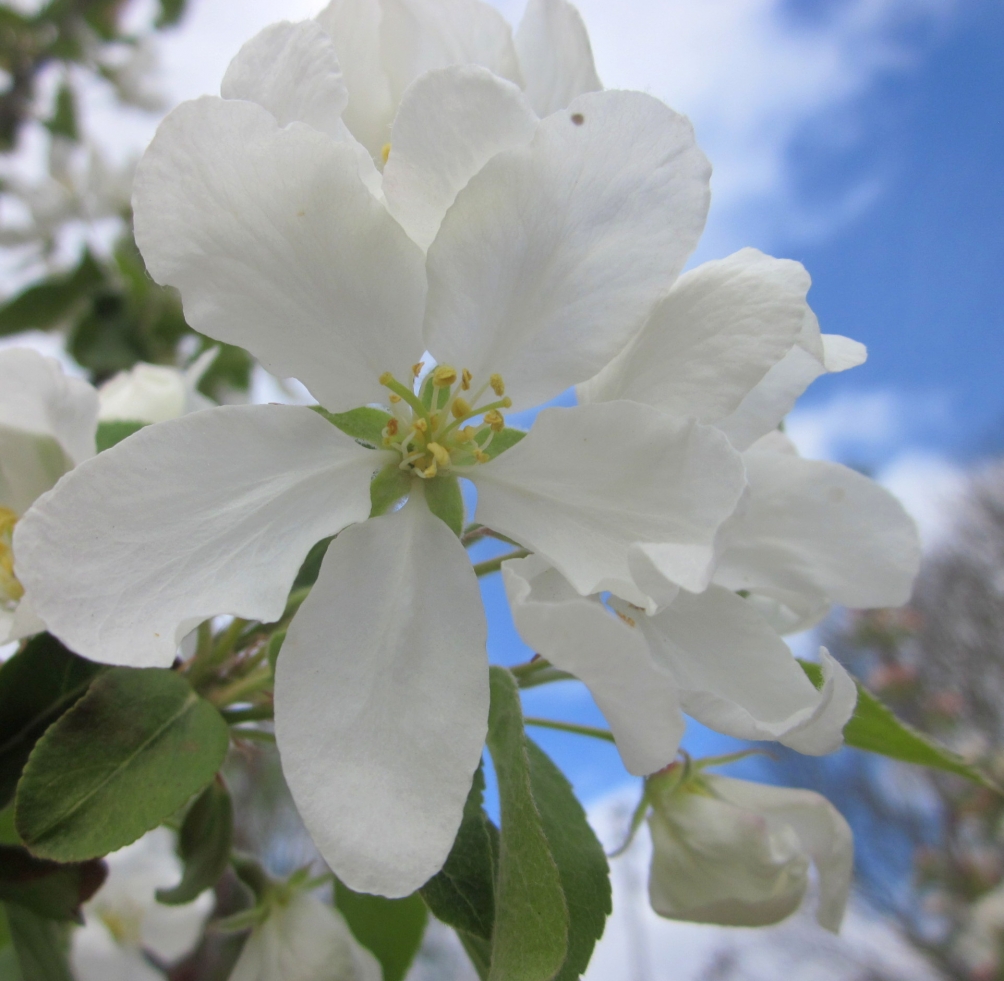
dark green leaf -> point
(387, 488)
(479, 951)
(110, 433)
(203, 844)
(42, 945)
(47, 888)
(128, 755)
(582, 864)
(48, 303)
(64, 116)
(171, 12)
(391, 929)
(874, 728)
(445, 501)
(36, 686)
(462, 894)
(530, 940)
(504, 440)
(365, 424)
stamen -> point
(441, 455)
(461, 408)
(444, 375)
(394, 397)
(495, 420)
(465, 380)
(385, 152)
(498, 386)
(416, 369)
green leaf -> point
(875, 729)
(365, 425)
(49, 889)
(64, 116)
(9, 968)
(311, 567)
(110, 433)
(582, 864)
(387, 488)
(530, 939)
(37, 685)
(479, 951)
(462, 894)
(171, 12)
(391, 929)
(445, 501)
(204, 844)
(42, 945)
(48, 303)
(127, 756)
(504, 440)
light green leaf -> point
(203, 844)
(365, 424)
(110, 433)
(445, 501)
(530, 939)
(582, 864)
(37, 685)
(49, 889)
(128, 755)
(391, 929)
(875, 728)
(41, 945)
(387, 488)
(504, 440)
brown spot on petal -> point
(578, 118)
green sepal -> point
(387, 488)
(113, 432)
(125, 758)
(446, 502)
(530, 938)
(366, 424)
(42, 945)
(203, 844)
(391, 929)
(874, 728)
(503, 440)
(37, 685)
(48, 889)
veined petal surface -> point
(587, 483)
(450, 124)
(580, 635)
(277, 246)
(720, 329)
(554, 55)
(211, 513)
(381, 700)
(554, 254)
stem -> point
(237, 690)
(494, 565)
(592, 731)
(257, 713)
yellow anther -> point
(10, 589)
(441, 456)
(507, 403)
(416, 369)
(391, 428)
(444, 375)
(385, 152)
(466, 434)
(421, 426)
(495, 420)
(386, 378)
(465, 380)
(461, 408)
(626, 619)
(395, 398)
(429, 471)
(481, 456)
(498, 386)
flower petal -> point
(451, 122)
(579, 635)
(711, 340)
(554, 254)
(813, 531)
(278, 246)
(820, 827)
(554, 55)
(381, 700)
(737, 676)
(588, 482)
(211, 513)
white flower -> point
(304, 939)
(47, 426)
(738, 854)
(124, 919)
(155, 393)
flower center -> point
(434, 429)
(10, 589)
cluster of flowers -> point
(405, 205)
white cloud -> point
(931, 489)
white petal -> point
(821, 829)
(211, 513)
(293, 72)
(451, 122)
(579, 635)
(95, 956)
(47, 425)
(737, 676)
(712, 339)
(554, 55)
(381, 700)
(554, 254)
(276, 245)
(146, 393)
(814, 530)
(588, 482)
(23, 622)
